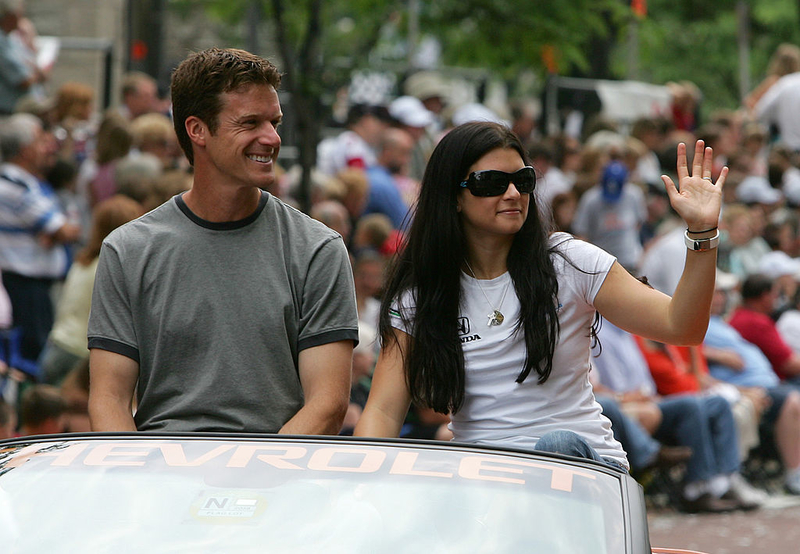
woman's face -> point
(494, 216)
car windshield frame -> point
(212, 487)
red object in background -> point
(550, 58)
(639, 7)
(138, 50)
(394, 243)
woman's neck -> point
(487, 261)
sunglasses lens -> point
(494, 183)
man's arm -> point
(325, 378)
(791, 367)
(112, 380)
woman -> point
(488, 318)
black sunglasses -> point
(491, 182)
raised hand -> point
(697, 200)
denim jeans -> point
(571, 444)
(640, 447)
(706, 425)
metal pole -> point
(633, 48)
(108, 62)
(743, 42)
(253, 21)
(413, 31)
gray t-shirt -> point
(216, 313)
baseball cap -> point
(757, 190)
(426, 84)
(726, 281)
(777, 264)
(476, 112)
(410, 111)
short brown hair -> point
(40, 403)
(200, 80)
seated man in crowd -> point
(734, 360)
(703, 423)
(754, 323)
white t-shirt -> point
(779, 106)
(347, 149)
(789, 328)
(498, 410)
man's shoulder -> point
(299, 224)
(789, 81)
(15, 176)
(742, 317)
(148, 227)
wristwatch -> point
(701, 245)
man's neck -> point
(222, 206)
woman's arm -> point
(389, 398)
(682, 319)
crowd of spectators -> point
(70, 175)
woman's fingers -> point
(699, 159)
(683, 167)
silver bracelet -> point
(701, 245)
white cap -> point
(757, 190)
(476, 112)
(726, 281)
(427, 84)
(791, 185)
(410, 111)
(777, 264)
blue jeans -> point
(640, 447)
(706, 425)
(571, 444)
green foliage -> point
(697, 42)
(678, 39)
(509, 35)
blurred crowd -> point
(70, 175)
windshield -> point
(299, 497)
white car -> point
(220, 493)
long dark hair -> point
(429, 264)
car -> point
(211, 492)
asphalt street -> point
(773, 529)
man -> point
(610, 214)
(139, 95)
(752, 320)
(394, 154)
(354, 147)
(17, 76)
(778, 107)
(734, 360)
(33, 229)
(421, 124)
(703, 423)
(232, 311)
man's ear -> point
(196, 129)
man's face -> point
(397, 157)
(143, 100)
(38, 156)
(245, 145)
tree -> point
(319, 42)
(697, 41)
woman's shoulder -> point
(568, 250)
(562, 242)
